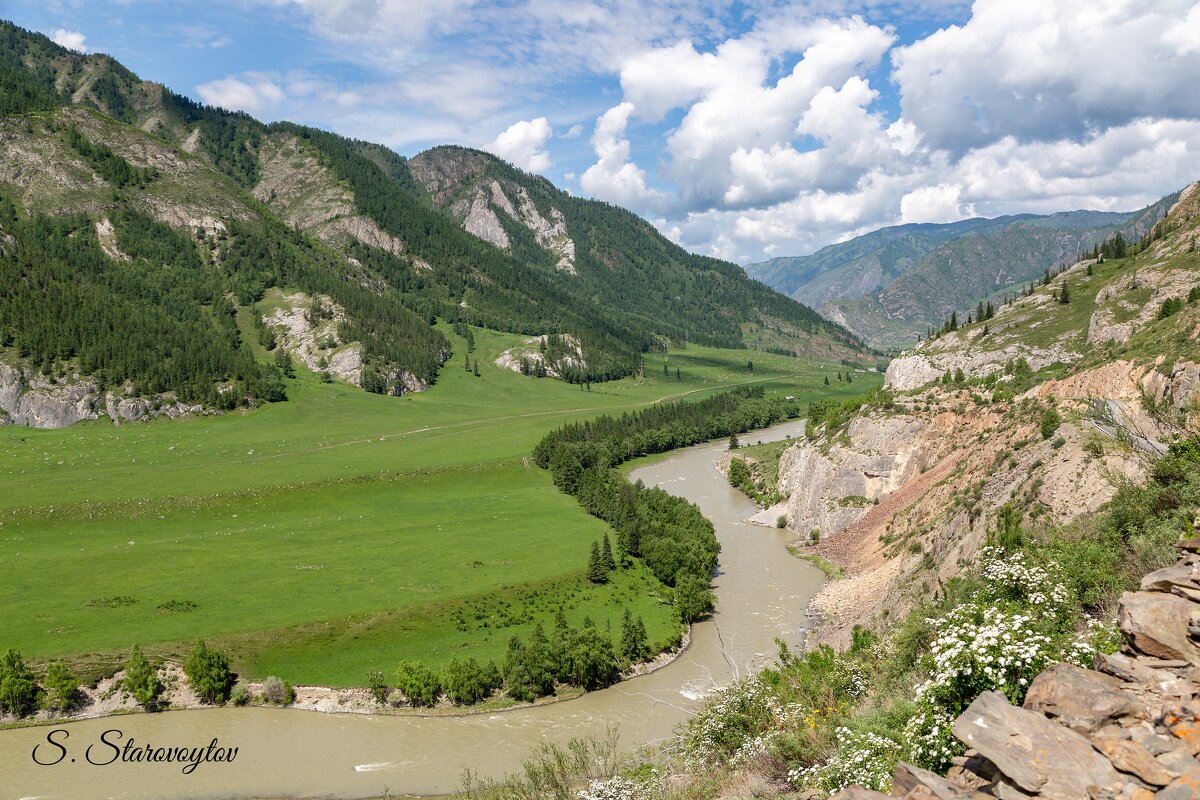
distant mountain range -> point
(889, 285)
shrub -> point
(861, 759)
(240, 695)
(17, 688)
(781, 521)
(377, 684)
(61, 685)
(274, 690)
(419, 683)
(467, 682)
(1051, 419)
(141, 679)
(208, 674)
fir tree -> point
(606, 555)
(734, 444)
(595, 571)
(1064, 296)
(826, 380)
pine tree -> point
(476, 368)
(953, 320)
(666, 369)
(1064, 296)
(985, 329)
(979, 311)
(678, 374)
(734, 444)
(990, 312)
(826, 380)
(595, 571)
(606, 555)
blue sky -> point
(744, 130)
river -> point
(762, 593)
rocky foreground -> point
(1127, 730)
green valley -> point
(337, 532)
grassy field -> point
(332, 534)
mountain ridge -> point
(346, 229)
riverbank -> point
(107, 699)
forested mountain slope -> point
(270, 243)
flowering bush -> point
(1012, 579)
(1017, 625)
(618, 788)
(736, 723)
(865, 759)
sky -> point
(742, 130)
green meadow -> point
(335, 533)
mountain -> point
(148, 240)
(893, 284)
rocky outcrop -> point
(529, 357)
(307, 327)
(1128, 729)
(952, 353)
(34, 401)
(480, 220)
(902, 498)
(830, 487)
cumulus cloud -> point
(1049, 70)
(72, 40)
(613, 177)
(933, 204)
(777, 126)
(251, 93)
(523, 144)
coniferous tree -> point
(606, 555)
(595, 571)
(476, 368)
(1064, 296)
(953, 320)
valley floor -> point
(333, 534)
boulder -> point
(1180, 573)
(1157, 624)
(1185, 787)
(1081, 699)
(908, 779)
(1035, 754)
(1182, 720)
(1131, 757)
(859, 793)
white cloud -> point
(933, 204)
(574, 132)
(1049, 70)
(613, 177)
(1184, 36)
(523, 144)
(72, 40)
(252, 93)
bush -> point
(61, 685)
(1051, 419)
(377, 685)
(17, 688)
(274, 690)
(467, 682)
(240, 695)
(419, 683)
(208, 674)
(141, 679)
